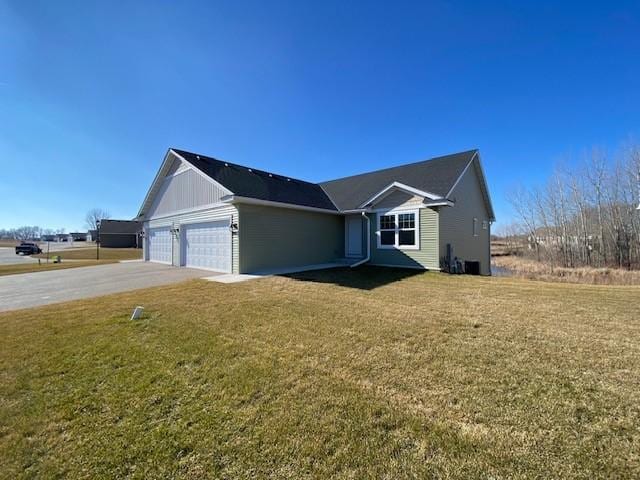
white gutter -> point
(368, 257)
(268, 203)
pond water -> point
(500, 271)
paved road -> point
(8, 256)
(42, 288)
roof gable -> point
(435, 176)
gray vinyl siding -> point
(456, 223)
(426, 257)
(278, 238)
(221, 213)
(185, 190)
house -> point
(120, 233)
(205, 213)
(77, 237)
(62, 237)
(92, 235)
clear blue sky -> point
(93, 93)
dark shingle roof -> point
(252, 183)
(436, 176)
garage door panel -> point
(159, 245)
(208, 246)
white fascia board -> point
(464, 170)
(404, 188)
(486, 189)
(439, 203)
(476, 156)
(146, 203)
(267, 203)
(161, 176)
(358, 210)
(202, 174)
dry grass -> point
(14, 269)
(8, 243)
(533, 270)
(89, 253)
(338, 374)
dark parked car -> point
(28, 248)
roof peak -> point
(237, 165)
(432, 159)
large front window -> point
(398, 230)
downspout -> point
(368, 257)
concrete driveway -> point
(42, 288)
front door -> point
(354, 236)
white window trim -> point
(380, 213)
(475, 226)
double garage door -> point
(202, 245)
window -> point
(387, 230)
(475, 227)
(398, 230)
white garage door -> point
(208, 245)
(159, 244)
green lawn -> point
(336, 374)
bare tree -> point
(26, 233)
(585, 215)
(94, 216)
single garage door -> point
(159, 245)
(208, 245)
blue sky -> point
(93, 93)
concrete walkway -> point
(53, 286)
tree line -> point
(585, 215)
(28, 232)
(92, 218)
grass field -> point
(8, 243)
(89, 253)
(335, 374)
(16, 268)
(534, 270)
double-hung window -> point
(398, 230)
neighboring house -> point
(205, 213)
(62, 237)
(77, 237)
(92, 235)
(48, 238)
(120, 234)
